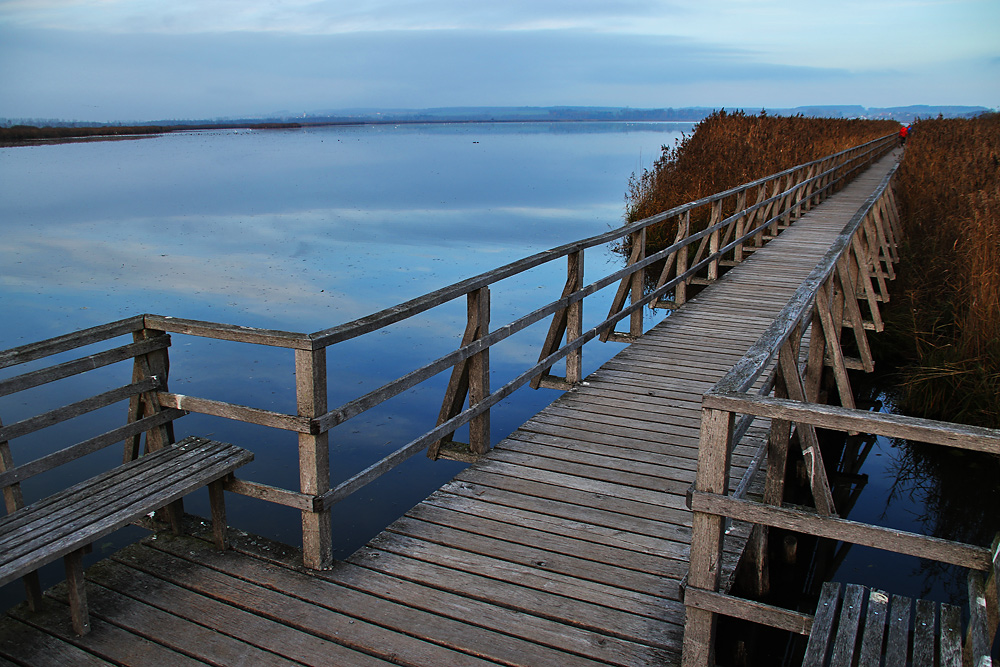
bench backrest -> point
(56, 365)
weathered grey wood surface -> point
(566, 545)
(858, 626)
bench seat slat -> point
(64, 501)
(87, 529)
(205, 461)
(130, 495)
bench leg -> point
(175, 516)
(32, 591)
(79, 614)
(218, 503)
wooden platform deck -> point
(565, 545)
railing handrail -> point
(746, 371)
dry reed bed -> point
(947, 319)
(731, 148)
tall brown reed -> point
(946, 322)
(731, 148)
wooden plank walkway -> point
(566, 545)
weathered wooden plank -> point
(899, 632)
(64, 503)
(108, 641)
(845, 641)
(979, 634)
(271, 494)
(57, 458)
(32, 424)
(950, 652)
(823, 626)
(548, 633)
(237, 412)
(873, 638)
(677, 483)
(175, 633)
(306, 603)
(535, 600)
(27, 645)
(581, 507)
(924, 633)
(88, 363)
(102, 520)
(898, 541)
(242, 624)
(748, 610)
(572, 575)
(431, 523)
(520, 513)
(879, 423)
(230, 332)
(45, 348)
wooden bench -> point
(64, 524)
(855, 625)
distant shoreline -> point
(30, 135)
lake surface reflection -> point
(302, 230)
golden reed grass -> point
(731, 148)
(946, 321)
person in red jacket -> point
(903, 132)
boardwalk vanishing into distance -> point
(568, 543)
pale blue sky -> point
(157, 59)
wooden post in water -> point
(479, 371)
(574, 318)
(638, 284)
(314, 457)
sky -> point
(141, 60)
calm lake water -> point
(302, 230)
(305, 229)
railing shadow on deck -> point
(735, 230)
(854, 270)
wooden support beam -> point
(314, 457)
(707, 533)
(808, 441)
(832, 334)
(854, 314)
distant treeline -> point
(731, 148)
(23, 134)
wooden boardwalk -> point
(565, 545)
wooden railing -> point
(734, 230)
(854, 271)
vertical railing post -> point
(13, 501)
(314, 457)
(680, 291)
(638, 285)
(713, 245)
(707, 533)
(574, 318)
(153, 364)
(479, 371)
